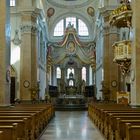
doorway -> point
(12, 90)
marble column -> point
(87, 75)
(28, 65)
(79, 79)
(54, 76)
(114, 70)
(63, 80)
(4, 53)
(135, 66)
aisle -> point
(71, 126)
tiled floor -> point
(73, 125)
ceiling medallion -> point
(91, 11)
(50, 12)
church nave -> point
(71, 125)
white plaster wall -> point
(42, 80)
(110, 2)
(90, 76)
(15, 22)
(98, 83)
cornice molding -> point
(105, 11)
(28, 28)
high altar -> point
(71, 55)
(71, 90)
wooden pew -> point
(99, 109)
(9, 131)
(113, 124)
(41, 117)
(37, 114)
(47, 110)
(1, 135)
(111, 121)
(132, 132)
(22, 127)
(99, 114)
(38, 117)
(30, 128)
(121, 127)
(34, 118)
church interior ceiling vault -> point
(69, 3)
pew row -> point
(109, 119)
(30, 120)
(132, 131)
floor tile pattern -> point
(71, 125)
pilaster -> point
(111, 72)
(135, 65)
(4, 53)
(87, 75)
(79, 79)
(62, 80)
(28, 65)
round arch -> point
(63, 16)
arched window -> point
(71, 83)
(59, 28)
(72, 20)
(90, 76)
(77, 23)
(15, 55)
(82, 28)
(70, 70)
(58, 72)
(84, 74)
(12, 2)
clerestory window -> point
(77, 23)
(12, 2)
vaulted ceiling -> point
(82, 9)
(70, 3)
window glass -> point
(70, 70)
(12, 2)
(59, 28)
(58, 72)
(71, 20)
(84, 74)
(82, 28)
(71, 83)
(78, 24)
